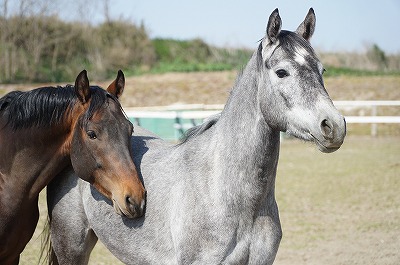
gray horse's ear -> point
(307, 27)
(274, 26)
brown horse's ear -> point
(274, 26)
(82, 88)
(307, 27)
(117, 86)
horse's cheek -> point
(81, 159)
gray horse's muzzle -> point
(331, 135)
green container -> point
(167, 129)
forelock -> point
(294, 45)
(98, 100)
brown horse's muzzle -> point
(134, 207)
(127, 195)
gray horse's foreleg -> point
(267, 235)
(72, 239)
(73, 246)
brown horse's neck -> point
(59, 156)
(31, 157)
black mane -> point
(45, 106)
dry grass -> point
(214, 87)
(364, 88)
(340, 208)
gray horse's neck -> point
(248, 147)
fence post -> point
(374, 126)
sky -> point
(342, 25)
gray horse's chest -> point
(224, 238)
(212, 243)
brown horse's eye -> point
(92, 135)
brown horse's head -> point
(100, 147)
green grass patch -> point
(342, 71)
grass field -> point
(339, 208)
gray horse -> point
(211, 198)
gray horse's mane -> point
(199, 129)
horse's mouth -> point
(332, 147)
(326, 149)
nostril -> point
(135, 208)
(128, 200)
(327, 129)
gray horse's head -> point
(292, 93)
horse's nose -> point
(327, 129)
(136, 208)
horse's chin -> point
(325, 148)
(309, 137)
(122, 212)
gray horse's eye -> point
(281, 73)
(92, 135)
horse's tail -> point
(47, 252)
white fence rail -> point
(373, 105)
(200, 111)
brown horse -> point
(44, 131)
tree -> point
(377, 56)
